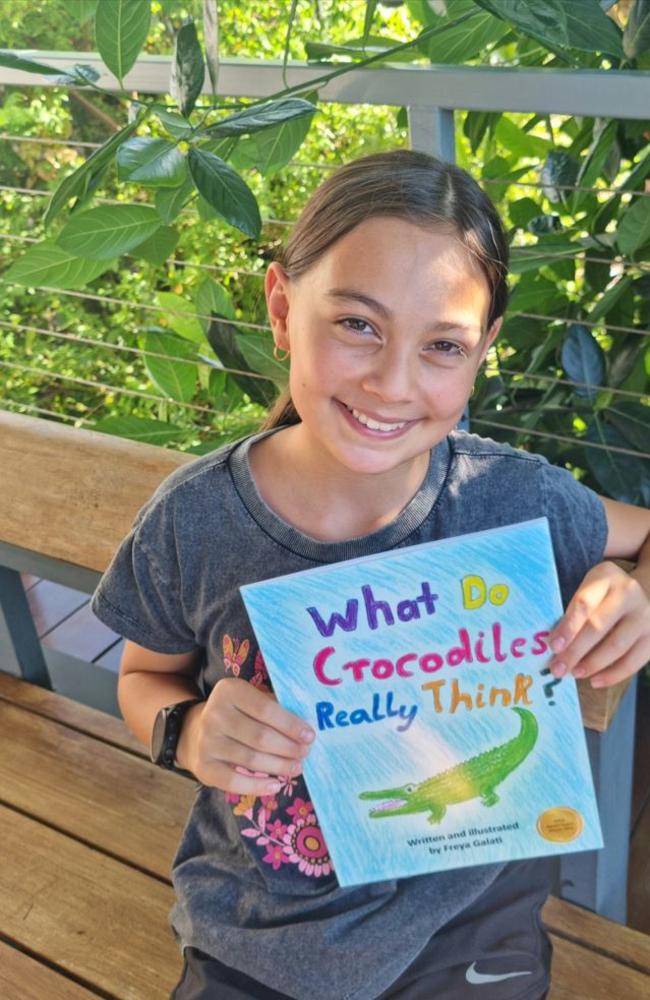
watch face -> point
(158, 735)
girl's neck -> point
(321, 498)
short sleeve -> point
(140, 594)
(578, 526)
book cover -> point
(443, 740)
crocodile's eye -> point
(409, 788)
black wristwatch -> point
(166, 730)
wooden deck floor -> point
(64, 621)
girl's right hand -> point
(240, 729)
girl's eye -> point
(449, 348)
(356, 325)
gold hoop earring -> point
(277, 351)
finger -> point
(626, 666)
(588, 596)
(229, 751)
(269, 712)
(217, 774)
(612, 648)
(600, 621)
(257, 736)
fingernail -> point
(557, 645)
(579, 672)
(558, 669)
(273, 786)
(307, 735)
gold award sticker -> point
(560, 824)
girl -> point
(387, 297)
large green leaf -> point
(170, 201)
(175, 124)
(151, 162)
(181, 317)
(49, 264)
(77, 182)
(634, 227)
(226, 344)
(259, 116)
(140, 429)
(583, 360)
(518, 142)
(358, 48)
(106, 232)
(211, 297)
(83, 10)
(159, 246)
(75, 74)
(633, 421)
(257, 349)
(535, 295)
(574, 24)
(559, 172)
(272, 148)
(622, 477)
(176, 379)
(467, 40)
(121, 28)
(188, 69)
(636, 37)
(224, 189)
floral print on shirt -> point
(290, 834)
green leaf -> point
(531, 258)
(151, 162)
(170, 201)
(14, 61)
(593, 164)
(610, 298)
(467, 40)
(634, 227)
(188, 69)
(583, 359)
(159, 246)
(371, 7)
(140, 429)
(636, 37)
(106, 232)
(77, 182)
(559, 172)
(48, 264)
(477, 123)
(225, 342)
(257, 349)
(83, 10)
(519, 142)
(633, 421)
(271, 149)
(121, 28)
(522, 211)
(535, 295)
(259, 116)
(623, 477)
(211, 297)
(172, 378)
(181, 317)
(578, 24)
(175, 124)
(224, 189)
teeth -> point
(374, 425)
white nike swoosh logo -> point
(480, 978)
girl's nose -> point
(390, 378)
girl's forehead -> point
(385, 254)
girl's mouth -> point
(373, 428)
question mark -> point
(548, 687)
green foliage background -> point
(573, 362)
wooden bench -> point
(68, 498)
(89, 828)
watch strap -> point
(167, 730)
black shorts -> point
(496, 949)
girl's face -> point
(386, 333)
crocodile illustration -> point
(473, 778)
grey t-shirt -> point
(255, 886)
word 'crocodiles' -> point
(473, 778)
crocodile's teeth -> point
(386, 806)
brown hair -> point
(407, 185)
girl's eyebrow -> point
(441, 326)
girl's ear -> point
(276, 289)
(491, 336)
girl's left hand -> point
(605, 631)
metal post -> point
(431, 130)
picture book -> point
(443, 740)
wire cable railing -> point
(559, 437)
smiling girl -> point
(387, 297)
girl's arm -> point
(605, 631)
(238, 739)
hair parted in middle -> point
(402, 184)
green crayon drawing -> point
(473, 778)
